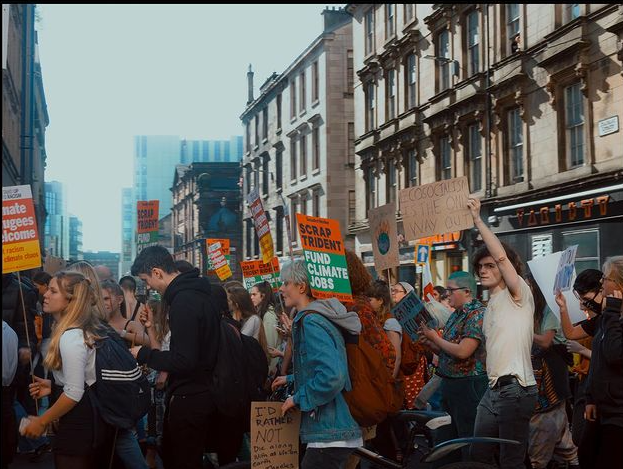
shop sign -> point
(546, 215)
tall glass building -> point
(56, 237)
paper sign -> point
(324, 256)
(274, 437)
(544, 272)
(566, 270)
(261, 226)
(254, 272)
(384, 235)
(225, 248)
(221, 266)
(146, 223)
(436, 208)
(410, 313)
(20, 238)
(53, 264)
(422, 253)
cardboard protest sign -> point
(146, 223)
(384, 236)
(225, 248)
(274, 437)
(324, 256)
(221, 266)
(254, 272)
(436, 208)
(261, 226)
(410, 313)
(566, 269)
(53, 264)
(544, 270)
(20, 237)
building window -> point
(265, 174)
(370, 106)
(572, 11)
(512, 26)
(248, 136)
(389, 20)
(256, 243)
(257, 130)
(475, 158)
(391, 186)
(409, 12)
(279, 111)
(315, 82)
(446, 158)
(473, 40)
(351, 143)
(303, 154)
(443, 66)
(391, 94)
(292, 99)
(410, 81)
(278, 169)
(350, 72)
(412, 170)
(371, 189)
(369, 30)
(587, 255)
(279, 229)
(574, 125)
(316, 203)
(249, 236)
(352, 207)
(265, 123)
(316, 148)
(293, 223)
(304, 205)
(302, 92)
(515, 143)
(256, 176)
(293, 159)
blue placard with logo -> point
(410, 313)
(422, 253)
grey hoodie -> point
(336, 312)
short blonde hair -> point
(613, 268)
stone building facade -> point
(299, 138)
(523, 99)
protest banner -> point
(410, 313)
(20, 237)
(53, 264)
(225, 248)
(220, 264)
(384, 233)
(254, 272)
(274, 437)
(261, 226)
(566, 269)
(436, 208)
(324, 256)
(146, 223)
(544, 270)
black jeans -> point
(601, 446)
(325, 458)
(505, 412)
(186, 423)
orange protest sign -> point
(254, 272)
(225, 249)
(146, 223)
(219, 262)
(20, 238)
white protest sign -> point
(566, 269)
(544, 272)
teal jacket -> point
(321, 372)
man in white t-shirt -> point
(507, 405)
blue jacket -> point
(321, 372)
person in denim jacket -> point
(320, 372)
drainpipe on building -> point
(489, 181)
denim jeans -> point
(128, 450)
(26, 445)
(504, 412)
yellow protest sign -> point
(20, 238)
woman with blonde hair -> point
(88, 271)
(70, 299)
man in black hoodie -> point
(194, 324)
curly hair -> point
(360, 278)
(512, 255)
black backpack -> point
(257, 368)
(122, 393)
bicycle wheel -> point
(468, 465)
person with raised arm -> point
(509, 401)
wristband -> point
(123, 333)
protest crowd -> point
(104, 377)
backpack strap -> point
(125, 328)
(136, 308)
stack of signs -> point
(261, 226)
(225, 249)
(20, 237)
(384, 237)
(411, 313)
(566, 269)
(324, 256)
(147, 224)
(254, 272)
(436, 208)
(220, 264)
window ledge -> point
(315, 103)
(302, 113)
(293, 119)
(264, 140)
(278, 131)
(315, 172)
(303, 177)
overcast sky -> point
(114, 71)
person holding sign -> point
(320, 372)
(508, 403)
